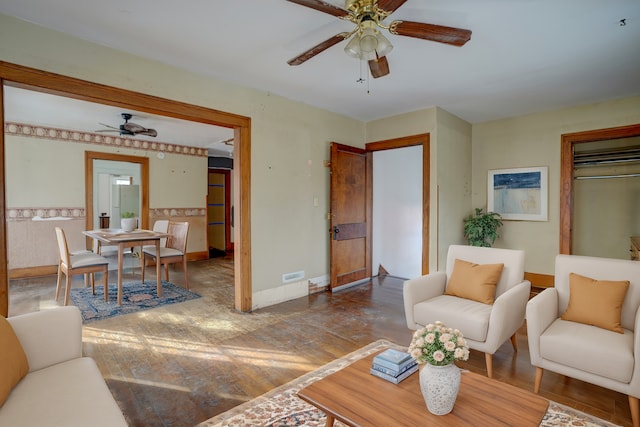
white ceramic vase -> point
(128, 224)
(439, 386)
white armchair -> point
(589, 353)
(485, 326)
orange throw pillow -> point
(13, 361)
(476, 282)
(596, 302)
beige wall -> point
(534, 140)
(290, 140)
(454, 181)
(33, 179)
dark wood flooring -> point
(181, 364)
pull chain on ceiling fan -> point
(367, 42)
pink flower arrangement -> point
(438, 345)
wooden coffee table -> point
(357, 398)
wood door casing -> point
(350, 187)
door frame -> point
(423, 139)
(143, 162)
(568, 141)
(35, 79)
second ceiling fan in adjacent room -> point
(129, 128)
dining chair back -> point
(86, 263)
(174, 251)
(160, 226)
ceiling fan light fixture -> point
(368, 40)
(353, 47)
(368, 43)
(384, 45)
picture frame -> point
(518, 193)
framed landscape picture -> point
(518, 194)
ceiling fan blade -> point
(108, 126)
(436, 33)
(107, 130)
(390, 6)
(322, 7)
(148, 132)
(379, 67)
(319, 48)
(133, 127)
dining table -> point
(128, 239)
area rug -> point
(136, 296)
(282, 408)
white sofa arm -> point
(507, 315)
(50, 336)
(421, 289)
(542, 311)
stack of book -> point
(393, 365)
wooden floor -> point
(179, 365)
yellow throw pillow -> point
(596, 302)
(13, 361)
(474, 281)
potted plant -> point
(482, 229)
(128, 221)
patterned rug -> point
(136, 296)
(282, 408)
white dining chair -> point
(86, 263)
(174, 250)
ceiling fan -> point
(129, 128)
(367, 42)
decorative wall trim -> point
(22, 214)
(43, 132)
(17, 214)
(171, 212)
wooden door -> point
(350, 231)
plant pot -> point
(128, 224)
(439, 386)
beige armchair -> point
(597, 355)
(486, 326)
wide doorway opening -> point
(24, 77)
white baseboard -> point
(280, 294)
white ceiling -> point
(524, 56)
